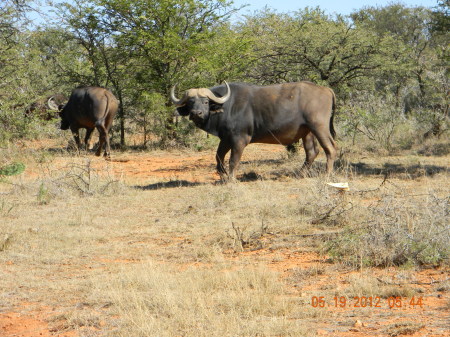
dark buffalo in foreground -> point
(240, 114)
(89, 108)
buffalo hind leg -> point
(108, 124)
(311, 151)
(329, 146)
(104, 140)
(87, 137)
(291, 149)
(222, 150)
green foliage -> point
(441, 17)
(150, 116)
(311, 45)
(12, 169)
(140, 49)
(15, 125)
(376, 118)
(166, 37)
(409, 24)
(413, 63)
(227, 57)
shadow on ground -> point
(399, 170)
(168, 184)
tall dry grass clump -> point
(155, 300)
(78, 178)
(395, 229)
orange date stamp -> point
(368, 302)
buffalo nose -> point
(197, 112)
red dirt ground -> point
(30, 324)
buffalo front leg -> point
(76, 136)
(236, 154)
(222, 150)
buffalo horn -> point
(51, 104)
(220, 100)
(176, 101)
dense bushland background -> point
(388, 65)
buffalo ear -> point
(183, 110)
(215, 107)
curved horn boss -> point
(219, 100)
(51, 104)
(175, 100)
(199, 92)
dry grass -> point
(360, 286)
(407, 328)
(168, 258)
(156, 300)
(398, 227)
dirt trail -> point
(151, 165)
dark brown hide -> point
(89, 108)
(274, 114)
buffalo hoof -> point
(223, 175)
(226, 179)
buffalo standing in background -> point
(46, 109)
(240, 114)
(89, 108)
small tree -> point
(164, 39)
(418, 62)
(106, 61)
(375, 117)
(150, 114)
(311, 45)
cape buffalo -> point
(89, 108)
(240, 114)
(45, 109)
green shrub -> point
(376, 118)
(12, 169)
(15, 125)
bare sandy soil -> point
(424, 313)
